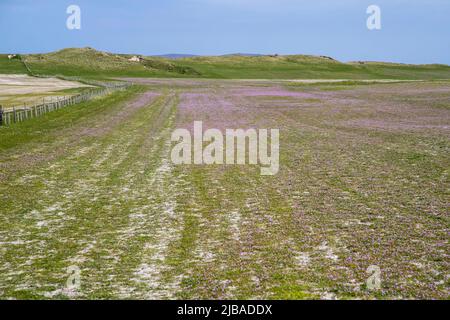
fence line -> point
(19, 114)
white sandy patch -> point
(81, 256)
(328, 296)
(302, 259)
(23, 84)
(149, 273)
(235, 219)
(17, 90)
(328, 251)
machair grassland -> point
(363, 181)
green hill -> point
(92, 63)
(87, 62)
(11, 66)
(308, 67)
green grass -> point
(39, 129)
(363, 181)
(307, 67)
(90, 63)
(13, 66)
(8, 101)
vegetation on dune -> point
(308, 67)
(405, 71)
(11, 66)
(162, 64)
(88, 62)
(92, 63)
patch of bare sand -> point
(20, 89)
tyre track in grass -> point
(235, 241)
(34, 250)
(138, 227)
(119, 243)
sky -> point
(412, 31)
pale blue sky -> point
(413, 31)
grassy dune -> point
(88, 62)
(19, 90)
(307, 67)
(12, 66)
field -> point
(363, 182)
(20, 90)
(11, 66)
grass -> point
(306, 67)
(363, 181)
(40, 129)
(8, 101)
(87, 62)
(90, 63)
(11, 66)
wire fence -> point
(22, 113)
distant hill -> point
(89, 62)
(181, 55)
(242, 55)
(175, 56)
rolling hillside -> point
(362, 181)
(11, 66)
(92, 63)
(89, 62)
(308, 67)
